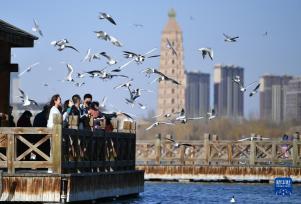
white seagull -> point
(28, 69)
(110, 61)
(183, 119)
(253, 138)
(107, 17)
(232, 200)
(133, 59)
(70, 72)
(126, 84)
(242, 88)
(155, 124)
(171, 47)
(36, 28)
(206, 51)
(167, 115)
(105, 36)
(176, 144)
(237, 79)
(25, 99)
(229, 38)
(62, 44)
(255, 90)
(211, 115)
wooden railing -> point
(219, 152)
(60, 150)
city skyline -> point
(275, 53)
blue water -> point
(158, 192)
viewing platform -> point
(219, 160)
(64, 165)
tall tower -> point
(171, 97)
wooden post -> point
(56, 141)
(206, 147)
(158, 148)
(182, 154)
(252, 150)
(10, 154)
(295, 152)
(274, 152)
(230, 153)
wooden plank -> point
(25, 130)
(33, 164)
(10, 153)
(56, 142)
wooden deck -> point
(85, 165)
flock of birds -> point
(134, 94)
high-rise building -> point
(197, 94)
(272, 97)
(171, 97)
(293, 100)
(228, 99)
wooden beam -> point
(9, 67)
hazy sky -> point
(202, 23)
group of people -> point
(88, 113)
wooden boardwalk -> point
(219, 160)
(84, 164)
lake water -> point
(163, 192)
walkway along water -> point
(85, 165)
(219, 160)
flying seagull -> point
(105, 36)
(242, 88)
(28, 69)
(107, 17)
(232, 200)
(236, 79)
(62, 44)
(110, 61)
(211, 115)
(206, 51)
(137, 57)
(25, 99)
(143, 107)
(176, 144)
(255, 90)
(126, 84)
(253, 138)
(103, 102)
(155, 124)
(36, 28)
(70, 72)
(229, 38)
(170, 46)
(183, 119)
(133, 59)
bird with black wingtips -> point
(171, 47)
(155, 124)
(25, 99)
(107, 17)
(255, 90)
(37, 28)
(211, 114)
(176, 144)
(110, 59)
(29, 68)
(229, 38)
(243, 88)
(206, 51)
